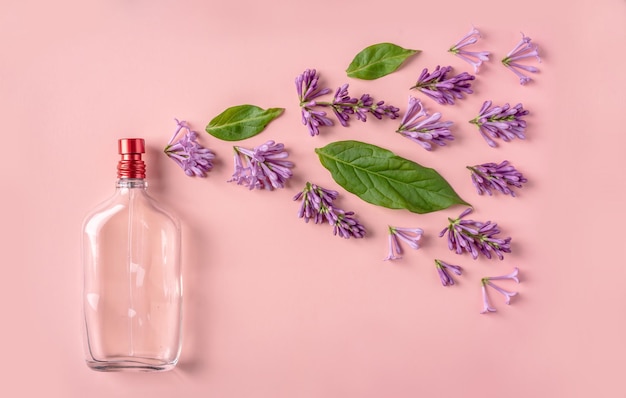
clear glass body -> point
(132, 296)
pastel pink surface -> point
(275, 307)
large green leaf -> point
(378, 60)
(242, 121)
(379, 177)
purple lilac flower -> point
(500, 177)
(193, 158)
(475, 58)
(443, 89)
(343, 105)
(422, 128)
(410, 236)
(263, 167)
(444, 269)
(475, 237)
(308, 90)
(503, 122)
(317, 204)
(523, 49)
(345, 225)
(507, 294)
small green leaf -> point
(242, 121)
(378, 60)
(380, 177)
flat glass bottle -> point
(132, 296)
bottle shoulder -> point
(125, 203)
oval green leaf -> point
(242, 121)
(380, 177)
(378, 60)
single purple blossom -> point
(422, 128)
(500, 177)
(507, 294)
(523, 49)
(444, 270)
(193, 158)
(410, 236)
(475, 237)
(317, 205)
(308, 90)
(263, 167)
(443, 89)
(504, 122)
(475, 58)
(486, 305)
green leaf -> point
(380, 177)
(242, 121)
(378, 60)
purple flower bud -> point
(500, 177)
(443, 89)
(193, 158)
(504, 122)
(475, 58)
(422, 128)
(523, 49)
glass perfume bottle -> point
(132, 296)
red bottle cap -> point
(131, 165)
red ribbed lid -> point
(131, 165)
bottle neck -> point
(131, 183)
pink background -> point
(279, 308)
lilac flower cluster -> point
(474, 58)
(422, 128)
(317, 205)
(524, 49)
(475, 237)
(263, 167)
(444, 270)
(343, 105)
(442, 88)
(504, 122)
(487, 281)
(193, 158)
(410, 236)
(500, 177)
